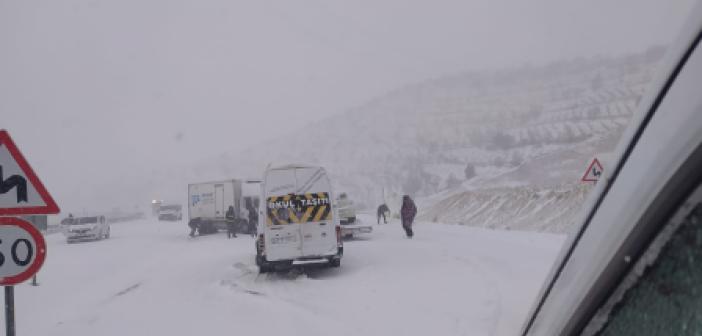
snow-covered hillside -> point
(149, 278)
(515, 131)
(550, 209)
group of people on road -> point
(407, 213)
(251, 221)
(233, 223)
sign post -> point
(22, 246)
(22, 253)
(41, 223)
(10, 310)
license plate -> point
(283, 240)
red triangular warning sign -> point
(21, 191)
(593, 172)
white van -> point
(298, 223)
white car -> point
(350, 224)
(86, 228)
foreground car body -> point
(640, 220)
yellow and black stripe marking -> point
(296, 209)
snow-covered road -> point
(151, 279)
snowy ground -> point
(151, 279)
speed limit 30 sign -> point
(22, 250)
(22, 246)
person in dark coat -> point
(193, 224)
(407, 213)
(231, 222)
(383, 211)
(68, 221)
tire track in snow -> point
(488, 278)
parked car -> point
(171, 212)
(350, 224)
(633, 265)
(86, 228)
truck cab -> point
(298, 221)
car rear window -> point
(86, 220)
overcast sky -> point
(93, 90)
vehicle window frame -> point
(658, 211)
(649, 259)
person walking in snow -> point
(407, 213)
(69, 220)
(231, 222)
(194, 224)
(383, 211)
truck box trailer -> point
(208, 203)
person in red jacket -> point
(407, 213)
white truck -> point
(208, 203)
(298, 222)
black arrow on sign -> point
(14, 181)
(596, 172)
